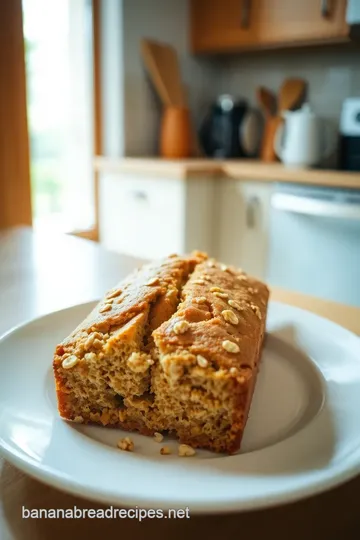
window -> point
(59, 65)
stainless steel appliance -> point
(315, 242)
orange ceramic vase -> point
(175, 134)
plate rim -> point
(53, 478)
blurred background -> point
(154, 126)
(59, 74)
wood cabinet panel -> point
(219, 25)
(15, 190)
(278, 21)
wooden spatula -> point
(161, 60)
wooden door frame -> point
(93, 234)
(98, 139)
(15, 186)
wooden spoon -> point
(266, 100)
(291, 95)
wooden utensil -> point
(267, 148)
(162, 63)
(291, 95)
(161, 60)
(151, 63)
(266, 100)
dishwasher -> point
(315, 241)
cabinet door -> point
(303, 21)
(247, 24)
(141, 216)
(221, 24)
(243, 234)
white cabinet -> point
(243, 217)
(150, 217)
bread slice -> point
(175, 348)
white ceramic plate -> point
(302, 437)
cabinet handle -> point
(251, 208)
(245, 13)
(325, 8)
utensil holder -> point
(175, 133)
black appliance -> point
(353, 19)
(350, 135)
(231, 129)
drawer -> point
(142, 217)
(243, 232)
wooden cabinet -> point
(225, 25)
(218, 25)
(150, 217)
(243, 224)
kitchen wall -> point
(131, 109)
(333, 73)
(168, 21)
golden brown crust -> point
(147, 297)
(190, 333)
(134, 295)
(224, 313)
(203, 307)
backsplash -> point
(132, 113)
(166, 21)
(332, 74)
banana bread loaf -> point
(175, 347)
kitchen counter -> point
(237, 169)
(31, 285)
